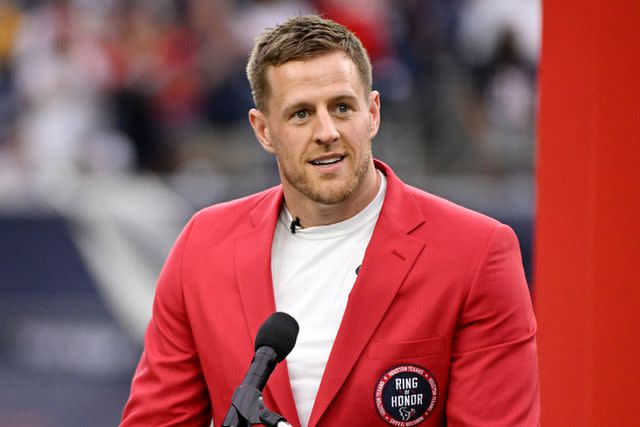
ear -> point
(259, 124)
(374, 112)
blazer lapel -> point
(255, 286)
(388, 259)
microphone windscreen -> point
(279, 332)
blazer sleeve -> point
(494, 371)
(168, 387)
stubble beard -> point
(325, 193)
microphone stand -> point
(247, 409)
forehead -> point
(315, 78)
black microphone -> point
(294, 223)
(274, 341)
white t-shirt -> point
(313, 272)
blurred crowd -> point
(108, 86)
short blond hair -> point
(301, 38)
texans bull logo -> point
(406, 413)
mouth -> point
(328, 160)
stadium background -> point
(118, 119)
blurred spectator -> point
(427, 45)
(229, 98)
(136, 48)
(60, 71)
(225, 97)
(253, 16)
(369, 19)
(507, 81)
(483, 23)
(10, 20)
(175, 72)
(500, 45)
(376, 24)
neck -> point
(313, 213)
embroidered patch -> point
(405, 395)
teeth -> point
(326, 161)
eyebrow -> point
(302, 105)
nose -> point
(325, 131)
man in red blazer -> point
(435, 325)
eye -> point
(342, 108)
(301, 115)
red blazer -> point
(441, 296)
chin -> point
(330, 199)
(331, 196)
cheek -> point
(285, 149)
(292, 142)
(361, 136)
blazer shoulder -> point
(233, 214)
(438, 209)
(450, 225)
(237, 206)
(461, 237)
